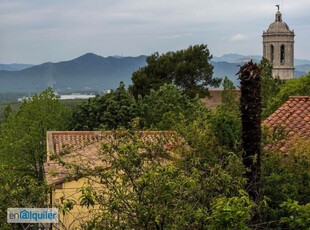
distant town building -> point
(75, 96)
(215, 97)
(64, 97)
(278, 47)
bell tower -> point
(278, 47)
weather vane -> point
(278, 7)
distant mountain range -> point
(14, 67)
(85, 73)
(229, 64)
(91, 72)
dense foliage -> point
(23, 150)
(22, 134)
(189, 69)
(162, 108)
(271, 86)
(109, 111)
(225, 121)
(286, 181)
(292, 87)
(159, 110)
(205, 185)
(198, 182)
(150, 186)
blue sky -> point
(36, 31)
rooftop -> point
(83, 148)
(293, 117)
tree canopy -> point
(22, 139)
(159, 110)
(110, 111)
(199, 186)
(225, 120)
(271, 86)
(163, 108)
(189, 69)
(292, 87)
(23, 151)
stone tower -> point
(278, 47)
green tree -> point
(88, 115)
(299, 215)
(225, 120)
(22, 135)
(151, 184)
(285, 177)
(7, 111)
(231, 213)
(18, 191)
(159, 110)
(226, 128)
(163, 108)
(189, 69)
(141, 189)
(23, 151)
(121, 109)
(229, 97)
(293, 87)
(270, 86)
(110, 111)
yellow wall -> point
(78, 215)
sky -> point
(37, 31)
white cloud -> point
(238, 37)
(174, 36)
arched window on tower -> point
(282, 60)
(271, 53)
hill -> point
(223, 68)
(88, 72)
(228, 65)
(91, 72)
(14, 67)
(237, 58)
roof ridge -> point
(59, 140)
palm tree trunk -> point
(251, 108)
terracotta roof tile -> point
(82, 148)
(294, 117)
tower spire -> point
(278, 14)
(278, 47)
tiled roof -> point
(293, 117)
(59, 141)
(82, 148)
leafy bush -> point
(299, 215)
(231, 213)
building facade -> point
(278, 47)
